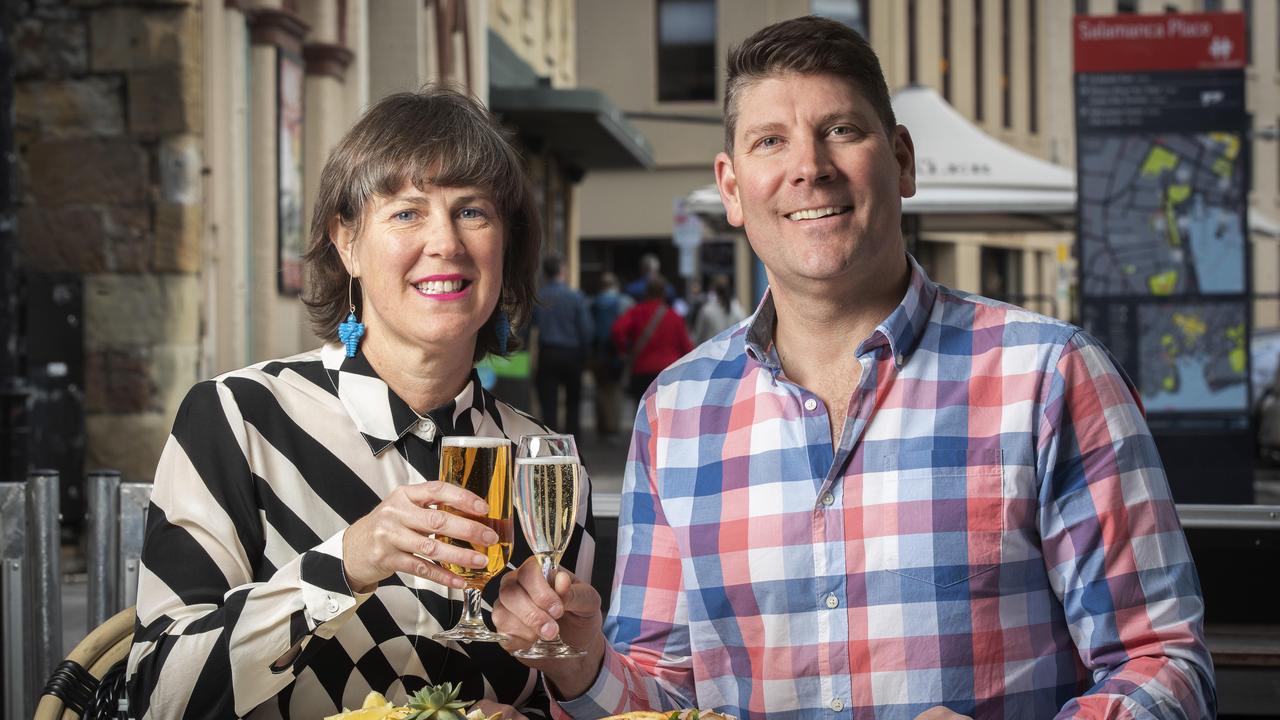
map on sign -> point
(1193, 357)
(1162, 215)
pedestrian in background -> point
(564, 338)
(719, 312)
(652, 335)
(606, 362)
(650, 268)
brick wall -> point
(108, 134)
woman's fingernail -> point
(549, 631)
(458, 582)
(479, 560)
(490, 538)
(556, 610)
(482, 507)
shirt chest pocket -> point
(939, 515)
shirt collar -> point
(380, 415)
(901, 331)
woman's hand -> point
(528, 608)
(397, 536)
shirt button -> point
(836, 704)
(332, 606)
(900, 359)
(828, 499)
(833, 602)
(810, 404)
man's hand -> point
(940, 713)
(528, 609)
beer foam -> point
(469, 441)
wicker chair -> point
(77, 684)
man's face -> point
(816, 181)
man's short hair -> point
(551, 266)
(809, 45)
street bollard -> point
(103, 551)
(134, 499)
(18, 700)
(45, 554)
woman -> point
(651, 336)
(718, 313)
(290, 563)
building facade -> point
(1006, 65)
(169, 152)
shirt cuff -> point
(326, 595)
(606, 696)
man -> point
(650, 268)
(606, 307)
(564, 339)
(880, 497)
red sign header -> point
(1123, 43)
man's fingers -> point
(580, 599)
(520, 612)
(535, 585)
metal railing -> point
(30, 584)
(31, 572)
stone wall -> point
(109, 137)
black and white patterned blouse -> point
(265, 469)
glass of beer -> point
(483, 466)
(548, 487)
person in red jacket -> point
(652, 335)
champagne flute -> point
(483, 466)
(548, 485)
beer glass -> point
(483, 466)
(548, 487)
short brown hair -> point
(436, 136)
(809, 45)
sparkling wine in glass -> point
(483, 466)
(548, 485)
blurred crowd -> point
(623, 336)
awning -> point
(580, 126)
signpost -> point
(1162, 239)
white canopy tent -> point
(967, 180)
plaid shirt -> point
(994, 533)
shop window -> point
(1001, 277)
(854, 13)
(686, 50)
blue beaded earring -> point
(352, 330)
(501, 328)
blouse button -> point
(828, 499)
(810, 404)
(836, 704)
(833, 602)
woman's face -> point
(429, 264)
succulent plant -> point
(438, 702)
